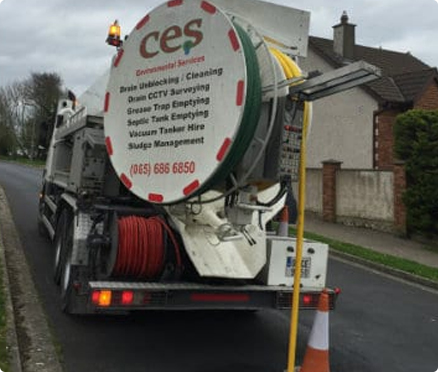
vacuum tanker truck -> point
(162, 177)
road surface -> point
(381, 324)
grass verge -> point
(398, 263)
(4, 350)
(25, 161)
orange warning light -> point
(114, 35)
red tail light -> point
(95, 297)
(101, 298)
(307, 300)
(127, 297)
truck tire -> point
(42, 230)
(65, 220)
(69, 272)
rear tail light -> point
(101, 298)
(95, 297)
(307, 300)
(127, 297)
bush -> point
(416, 142)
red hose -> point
(141, 247)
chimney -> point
(344, 38)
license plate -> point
(306, 264)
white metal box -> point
(280, 265)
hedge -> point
(416, 142)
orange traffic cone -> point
(283, 227)
(316, 358)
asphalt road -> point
(381, 324)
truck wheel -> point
(69, 272)
(65, 220)
(42, 230)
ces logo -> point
(172, 39)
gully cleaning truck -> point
(162, 177)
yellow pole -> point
(292, 70)
(299, 254)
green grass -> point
(4, 351)
(26, 161)
(398, 263)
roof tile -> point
(403, 75)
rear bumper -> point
(124, 296)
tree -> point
(416, 142)
(27, 113)
(13, 116)
(7, 144)
(41, 94)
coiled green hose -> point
(250, 116)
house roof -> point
(403, 75)
(412, 83)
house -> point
(355, 127)
(352, 177)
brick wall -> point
(384, 139)
(329, 169)
(429, 99)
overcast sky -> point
(68, 37)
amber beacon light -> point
(114, 35)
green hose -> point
(250, 116)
